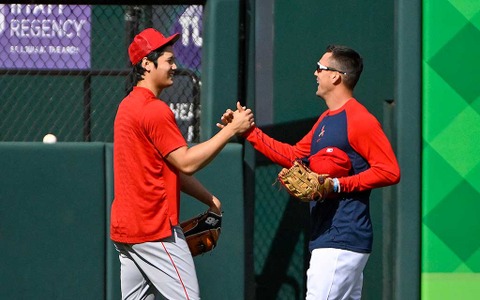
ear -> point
(146, 64)
(336, 78)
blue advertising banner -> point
(188, 48)
(44, 36)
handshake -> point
(315, 182)
(242, 119)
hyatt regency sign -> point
(44, 36)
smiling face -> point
(163, 74)
(160, 76)
(324, 79)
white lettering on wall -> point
(190, 22)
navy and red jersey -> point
(342, 222)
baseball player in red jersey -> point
(341, 228)
(152, 164)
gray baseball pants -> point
(156, 270)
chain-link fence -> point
(64, 68)
(280, 239)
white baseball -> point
(49, 139)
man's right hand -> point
(242, 119)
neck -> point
(155, 90)
(334, 102)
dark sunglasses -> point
(321, 67)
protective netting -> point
(280, 239)
(64, 68)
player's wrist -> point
(247, 133)
(336, 185)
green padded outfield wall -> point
(301, 34)
(52, 221)
(451, 147)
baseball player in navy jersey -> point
(341, 228)
(152, 164)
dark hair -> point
(347, 60)
(138, 71)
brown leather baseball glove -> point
(304, 184)
(202, 232)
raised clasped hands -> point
(241, 119)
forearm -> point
(372, 178)
(192, 187)
(280, 153)
(202, 154)
(191, 160)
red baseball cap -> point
(147, 41)
(332, 161)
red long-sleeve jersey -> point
(343, 222)
(351, 128)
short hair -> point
(347, 60)
(139, 71)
